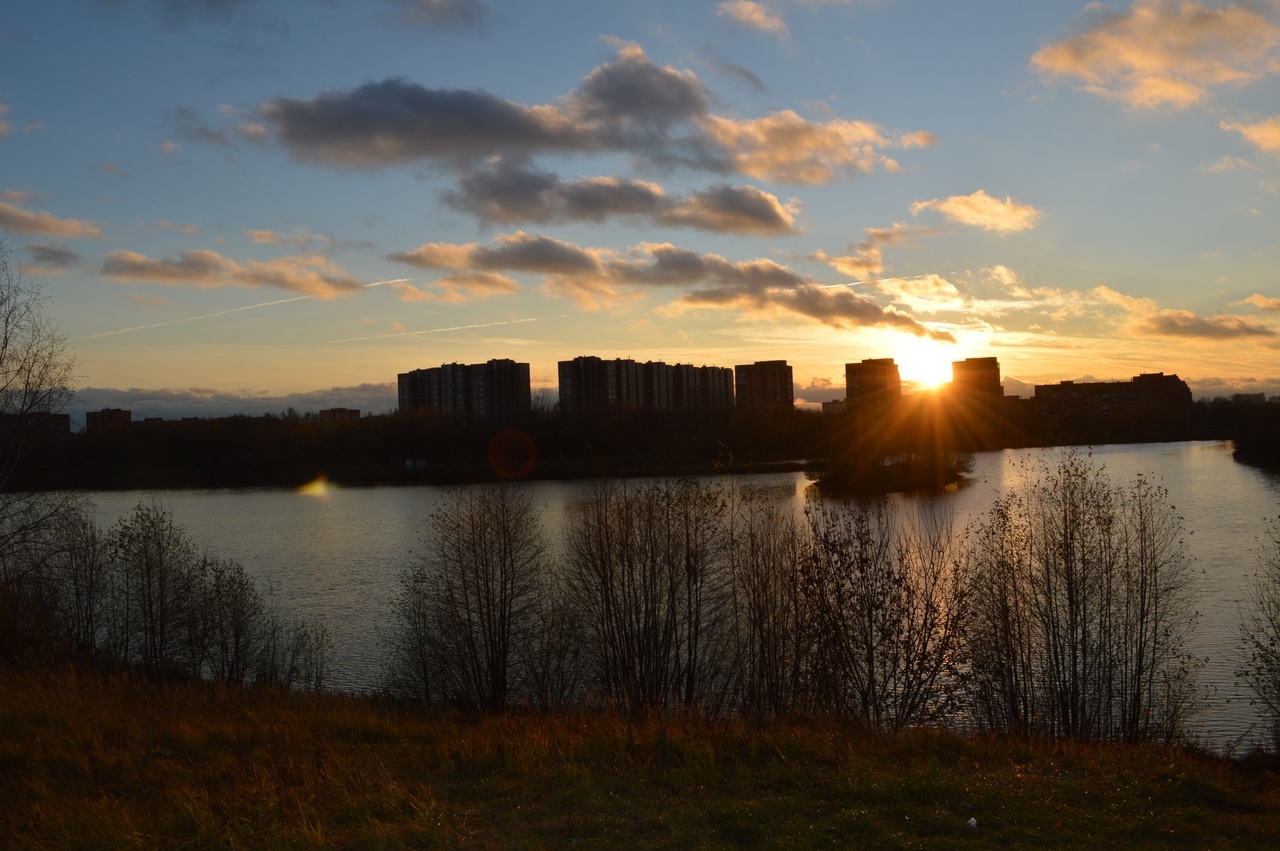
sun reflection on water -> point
(319, 486)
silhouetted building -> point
(701, 388)
(107, 418)
(496, 390)
(873, 381)
(1152, 406)
(36, 423)
(339, 415)
(764, 384)
(588, 382)
(977, 378)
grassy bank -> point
(115, 761)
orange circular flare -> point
(512, 454)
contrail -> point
(197, 318)
(875, 281)
(433, 331)
(226, 312)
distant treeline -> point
(291, 448)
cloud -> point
(1007, 279)
(931, 293)
(504, 194)
(1227, 163)
(314, 275)
(18, 220)
(180, 14)
(757, 16)
(741, 72)
(786, 147)
(50, 259)
(1184, 323)
(5, 127)
(983, 211)
(175, 403)
(1166, 53)
(185, 230)
(1263, 135)
(818, 390)
(461, 287)
(112, 168)
(867, 258)
(1132, 304)
(300, 241)
(1262, 302)
(597, 276)
(453, 15)
(630, 104)
(189, 127)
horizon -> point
(251, 205)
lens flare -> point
(319, 486)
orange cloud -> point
(1262, 302)
(1264, 135)
(983, 211)
(1166, 54)
(783, 146)
(19, 220)
(757, 16)
(459, 288)
(867, 259)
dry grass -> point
(115, 761)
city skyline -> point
(253, 204)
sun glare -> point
(925, 366)
(317, 487)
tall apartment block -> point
(977, 379)
(764, 384)
(497, 390)
(107, 418)
(589, 382)
(872, 381)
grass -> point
(115, 761)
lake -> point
(335, 555)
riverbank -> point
(116, 761)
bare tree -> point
(35, 378)
(1082, 598)
(156, 561)
(467, 621)
(1260, 634)
(888, 602)
(767, 634)
(644, 569)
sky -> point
(246, 205)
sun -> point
(925, 365)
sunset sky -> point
(243, 205)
